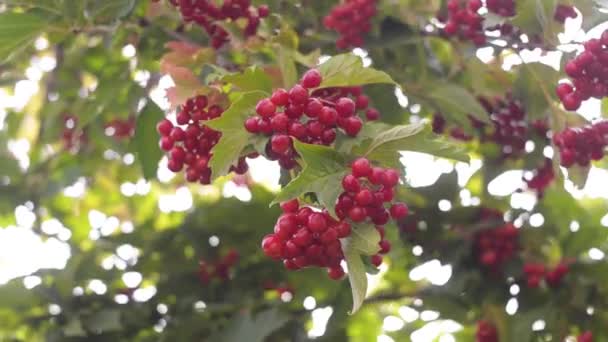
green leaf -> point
(18, 30)
(253, 78)
(529, 88)
(146, 137)
(356, 274)
(74, 328)
(365, 239)
(347, 70)
(245, 327)
(108, 10)
(386, 102)
(323, 172)
(234, 136)
(386, 145)
(456, 103)
(535, 17)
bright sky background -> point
(22, 252)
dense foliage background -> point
(501, 242)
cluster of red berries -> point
(207, 13)
(581, 145)
(191, 146)
(464, 22)
(536, 272)
(494, 247)
(72, 137)
(503, 8)
(587, 336)
(352, 20)
(510, 129)
(589, 74)
(542, 177)
(304, 237)
(562, 12)
(486, 332)
(220, 269)
(308, 117)
(120, 129)
(366, 191)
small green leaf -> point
(457, 103)
(74, 328)
(253, 78)
(386, 145)
(18, 30)
(347, 70)
(145, 139)
(356, 274)
(365, 239)
(530, 89)
(323, 171)
(234, 136)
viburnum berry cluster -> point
(562, 12)
(494, 247)
(219, 269)
(510, 130)
(588, 73)
(542, 177)
(464, 22)
(311, 117)
(207, 13)
(304, 237)
(72, 137)
(120, 129)
(582, 145)
(486, 332)
(352, 20)
(189, 143)
(503, 8)
(536, 272)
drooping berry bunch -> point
(73, 138)
(589, 74)
(542, 177)
(207, 13)
(562, 12)
(536, 272)
(120, 129)
(190, 143)
(581, 145)
(486, 332)
(510, 130)
(352, 20)
(304, 237)
(219, 269)
(587, 336)
(312, 118)
(464, 22)
(503, 8)
(494, 247)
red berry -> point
(336, 273)
(164, 127)
(361, 167)
(311, 79)
(364, 197)
(385, 246)
(280, 97)
(298, 94)
(345, 107)
(372, 114)
(357, 214)
(166, 143)
(265, 108)
(279, 122)
(563, 89)
(376, 260)
(350, 183)
(272, 246)
(317, 222)
(328, 116)
(313, 108)
(290, 206)
(280, 143)
(353, 126)
(362, 102)
(571, 101)
(399, 211)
